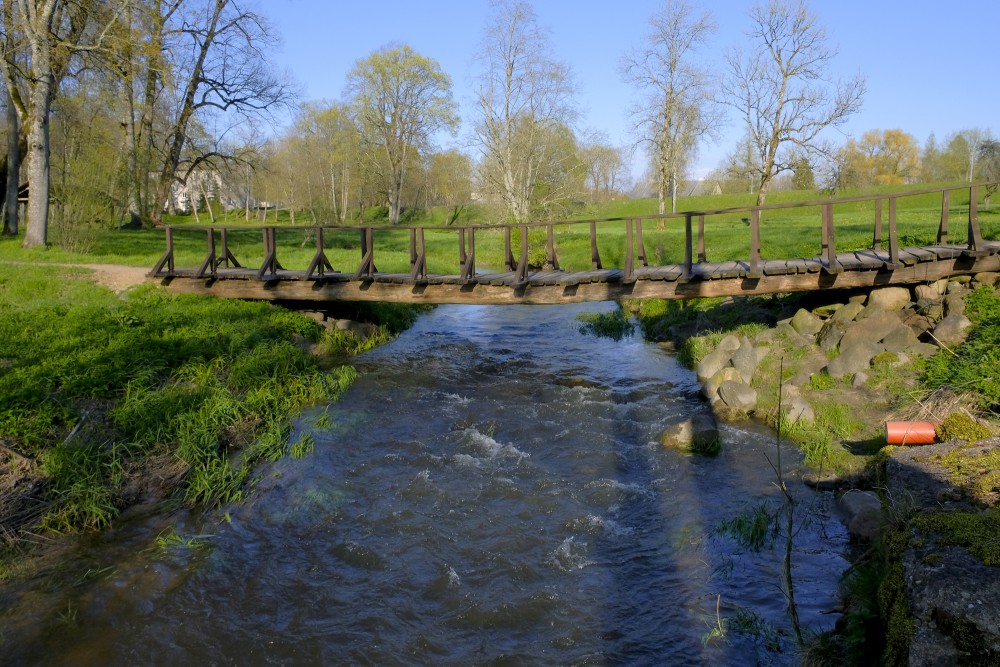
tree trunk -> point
(36, 234)
(13, 175)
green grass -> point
(93, 382)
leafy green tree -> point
(400, 99)
(802, 173)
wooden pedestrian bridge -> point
(886, 239)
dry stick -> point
(786, 573)
(943, 346)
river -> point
(492, 491)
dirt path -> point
(115, 276)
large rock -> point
(698, 435)
(730, 343)
(799, 410)
(359, 329)
(951, 330)
(712, 363)
(710, 388)
(870, 330)
(889, 299)
(737, 396)
(900, 339)
(987, 278)
(806, 323)
(925, 293)
(862, 514)
(954, 304)
(745, 360)
(848, 312)
(829, 337)
(853, 359)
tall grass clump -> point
(94, 383)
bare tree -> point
(781, 90)
(524, 100)
(201, 60)
(678, 109)
(401, 98)
(975, 138)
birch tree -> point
(524, 98)
(781, 88)
(401, 99)
(53, 33)
(677, 111)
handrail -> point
(651, 216)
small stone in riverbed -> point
(698, 435)
(859, 379)
(863, 513)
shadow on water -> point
(492, 491)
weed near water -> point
(613, 324)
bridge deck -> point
(884, 263)
(856, 269)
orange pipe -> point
(910, 433)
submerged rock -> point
(697, 435)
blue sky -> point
(931, 66)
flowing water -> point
(491, 491)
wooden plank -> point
(849, 261)
(868, 260)
(906, 258)
(777, 267)
(922, 254)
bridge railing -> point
(418, 253)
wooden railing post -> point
(642, 246)
(832, 263)
(877, 237)
(629, 268)
(227, 255)
(595, 257)
(168, 256)
(688, 247)
(551, 260)
(367, 267)
(521, 275)
(461, 249)
(468, 257)
(975, 235)
(893, 237)
(320, 263)
(270, 264)
(418, 267)
(508, 253)
(208, 266)
(701, 239)
(755, 269)
(942, 235)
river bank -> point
(118, 400)
(830, 375)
